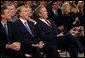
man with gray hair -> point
(27, 33)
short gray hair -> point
(37, 10)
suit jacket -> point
(11, 37)
(26, 39)
(58, 19)
(47, 34)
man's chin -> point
(9, 17)
(46, 16)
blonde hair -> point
(64, 6)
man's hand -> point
(14, 46)
(61, 34)
(40, 44)
(76, 20)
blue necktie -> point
(28, 28)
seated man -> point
(27, 33)
(10, 45)
(48, 33)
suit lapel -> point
(4, 32)
(2, 28)
(22, 27)
(31, 27)
(44, 25)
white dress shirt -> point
(43, 21)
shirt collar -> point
(22, 20)
(42, 19)
(3, 23)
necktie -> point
(5, 26)
(48, 23)
(28, 28)
(56, 13)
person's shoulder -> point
(39, 21)
(51, 20)
(17, 21)
(10, 23)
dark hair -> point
(53, 2)
(2, 9)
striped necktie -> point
(48, 23)
(28, 28)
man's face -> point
(24, 12)
(12, 9)
(30, 12)
(43, 13)
(43, 3)
(6, 14)
(29, 3)
(55, 5)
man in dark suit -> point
(48, 33)
(10, 45)
(27, 33)
(55, 13)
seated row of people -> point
(24, 36)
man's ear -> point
(39, 14)
(2, 15)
